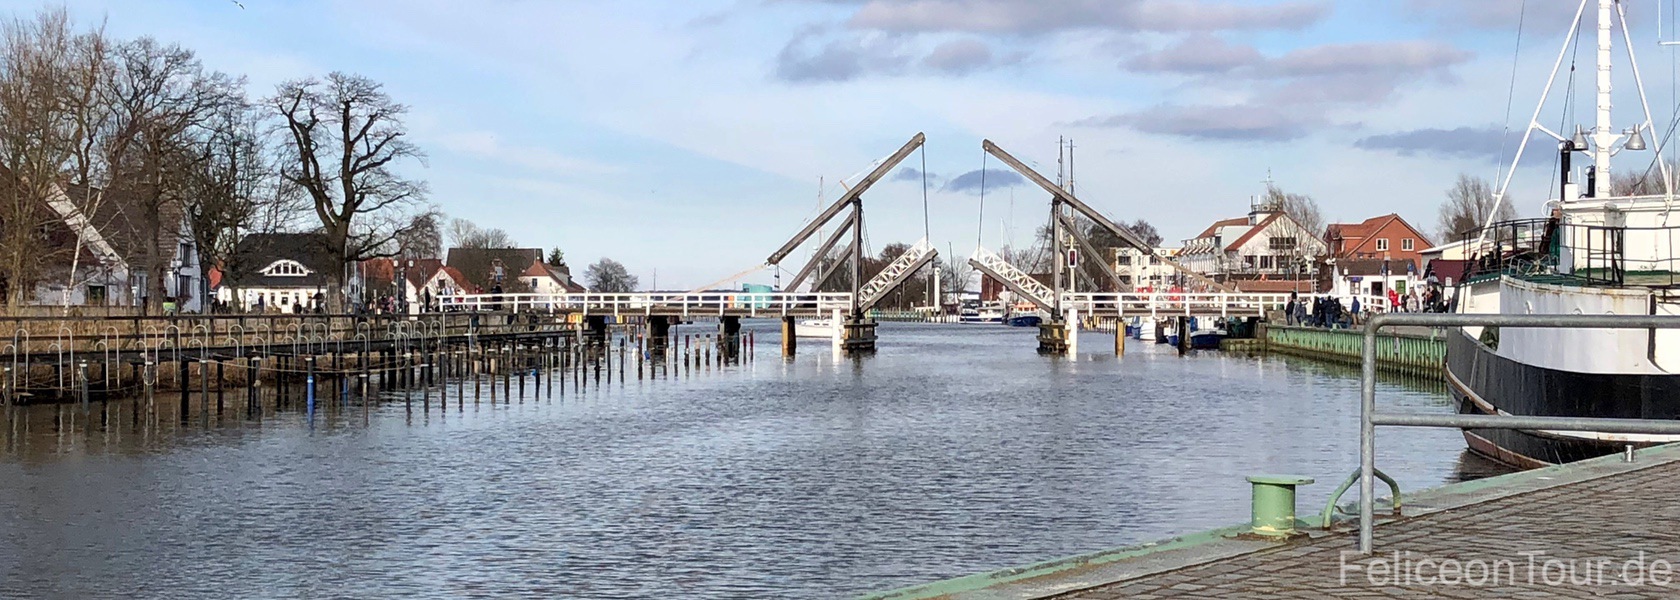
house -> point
(512, 270)
(1267, 244)
(1373, 276)
(423, 279)
(278, 272)
(544, 278)
(1387, 237)
(1141, 271)
(1375, 255)
(125, 239)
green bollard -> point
(1274, 503)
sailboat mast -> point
(1604, 135)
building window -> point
(1282, 243)
(183, 286)
(1266, 261)
(96, 295)
(1123, 259)
(186, 255)
(1382, 244)
(1406, 244)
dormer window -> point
(286, 268)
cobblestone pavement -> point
(1608, 538)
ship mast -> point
(1604, 135)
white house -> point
(1268, 243)
(277, 272)
(1142, 271)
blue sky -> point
(689, 137)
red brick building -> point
(1387, 237)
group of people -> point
(1324, 311)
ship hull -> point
(1482, 382)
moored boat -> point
(1597, 251)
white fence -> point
(1201, 304)
(664, 303)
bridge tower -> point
(1061, 334)
(855, 332)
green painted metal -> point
(1330, 507)
(1396, 352)
(1274, 503)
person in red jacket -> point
(1393, 300)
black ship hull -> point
(1482, 382)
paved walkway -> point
(1578, 540)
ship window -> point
(1406, 244)
(1382, 244)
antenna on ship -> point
(1604, 141)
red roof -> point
(1254, 230)
(1214, 228)
(1365, 229)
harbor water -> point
(954, 449)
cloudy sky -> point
(688, 138)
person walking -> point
(1353, 315)
(1289, 309)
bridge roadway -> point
(813, 304)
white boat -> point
(1595, 250)
(814, 328)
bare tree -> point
(36, 142)
(1300, 207)
(229, 183)
(1469, 202)
(607, 275)
(162, 98)
(88, 76)
(345, 138)
(424, 238)
(1648, 182)
(466, 234)
(958, 274)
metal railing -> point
(1370, 419)
(1201, 304)
(754, 303)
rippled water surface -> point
(955, 449)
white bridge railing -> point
(1200, 304)
(665, 303)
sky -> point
(687, 139)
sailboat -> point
(1593, 252)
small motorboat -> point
(1024, 320)
(1206, 339)
(814, 328)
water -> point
(955, 449)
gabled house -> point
(511, 270)
(1267, 244)
(278, 272)
(126, 238)
(1386, 237)
(422, 280)
(1375, 255)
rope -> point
(1510, 95)
(926, 229)
(980, 230)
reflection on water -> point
(954, 449)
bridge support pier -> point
(857, 335)
(659, 335)
(1053, 337)
(595, 329)
(790, 339)
(730, 329)
(1183, 325)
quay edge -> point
(1082, 572)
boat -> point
(814, 328)
(989, 312)
(1024, 320)
(1593, 252)
(1206, 339)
